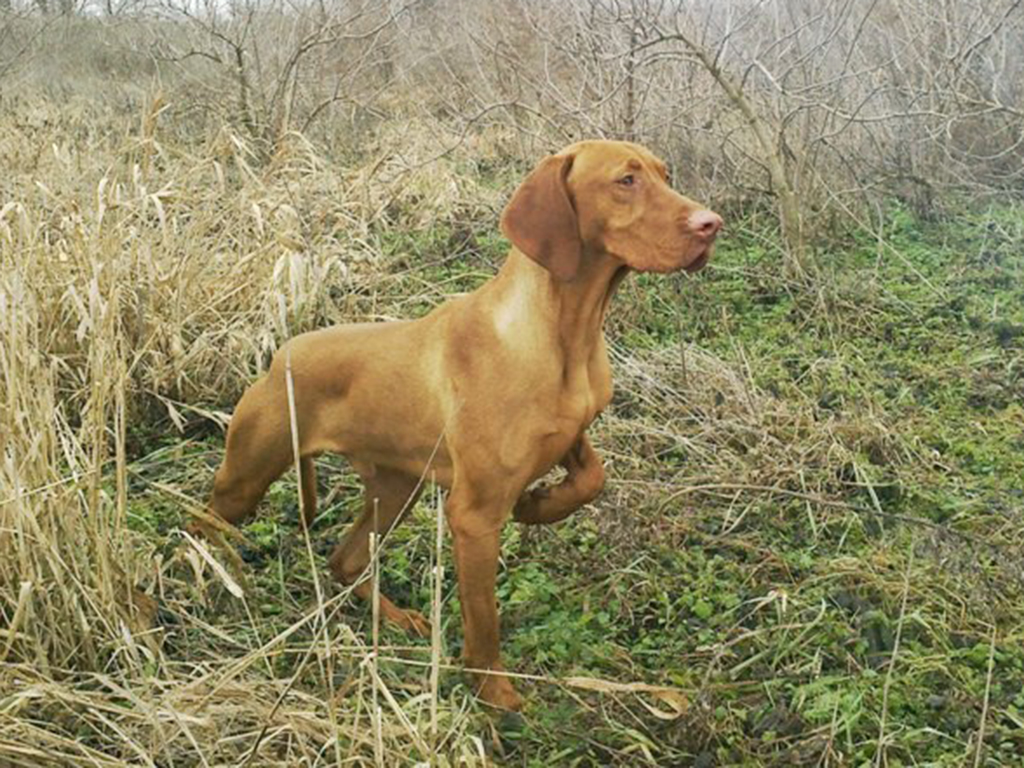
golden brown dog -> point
(486, 393)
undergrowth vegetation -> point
(808, 553)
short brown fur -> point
(485, 394)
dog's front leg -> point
(582, 484)
(476, 532)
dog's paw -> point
(198, 529)
(497, 691)
(528, 507)
(413, 622)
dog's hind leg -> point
(389, 494)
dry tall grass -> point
(138, 277)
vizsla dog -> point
(486, 393)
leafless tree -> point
(276, 54)
(826, 107)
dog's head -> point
(609, 197)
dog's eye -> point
(627, 181)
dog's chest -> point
(561, 426)
(546, 408)
(581, 396)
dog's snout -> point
(705, 223)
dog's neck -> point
(573, 311)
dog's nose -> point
(705, 224)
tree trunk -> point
(788, 201)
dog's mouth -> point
(692, 259)
(703, 257)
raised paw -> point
(527, 508)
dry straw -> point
(138, 279)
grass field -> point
(809, 551)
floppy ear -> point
(540, 220)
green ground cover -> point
(811, 530)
